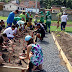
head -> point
(1, 20)
(13, 27)
(1, 39)
(4, 35)
(23, 12)
(25, 23)
(38, 25)
(16, 11)
(29, 39)
(0, 29)
(48, 12)
(30, 20)
(28, 11)
(17, 25)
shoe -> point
(49, 31)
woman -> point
(36, 58)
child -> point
(6, 39)
(40, 32)
(36, 58)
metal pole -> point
(36, 6)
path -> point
(51, 56)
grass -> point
(68, 29)
(3, 18)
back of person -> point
(64, 18)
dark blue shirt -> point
(10, 17)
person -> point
(29, 24)
(6, 39)
(36, 54)
(10, 18)
(64, 19)
(40, 32)
(21, 25)
(42, 17)
(0, 30)
(9, 32)
(27, 16)
(2, 23)
(48, 20)
(1, 47)
(23, 16)
(16, 19)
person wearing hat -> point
(40, 32)
(48, 20)
(42, 17)
(10, 18)
(36, 54)
(64, 19)
(23, 16)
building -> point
(1, 5)
(56, 9)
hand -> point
(8, 24)
(20, 57)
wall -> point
(54, 17)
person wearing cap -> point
(10, 18)
(48, 20)
(40, 32)
(27, 16)
(42, 17)
(64, 19)
(34, 53)
(23, 16)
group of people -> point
(16, 26)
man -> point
(63, 21)
(9, 32)
(22, 15)
(27, 16)
(11, 18)
(48, 20)
(42, 17)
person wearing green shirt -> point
(48, 20)
(23, 16)
(42, 17)
(16, 19)
(27, 16)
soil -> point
(65, 41)
(11, 57)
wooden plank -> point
(62, 54)
(67, 34)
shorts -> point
(63, 24)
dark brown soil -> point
(65, 41)
(12, 58)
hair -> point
(4, 35)
(1, 39)
(17, 25)
(1, 20)
(25, 23)
(13, 26)
(30, 41)
(17, 11)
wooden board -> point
(62, 54)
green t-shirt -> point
(22, 16)
(17, 18)
(48, 18)
(28, 16)
(42, 18)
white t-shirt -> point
(20, 22)
(9, 32)
(14, 31)
(64, 18)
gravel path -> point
(51, 56)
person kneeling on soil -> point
(1, 47)
(6, 39)
(9, 32)
(36, 58)
(40, 32)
